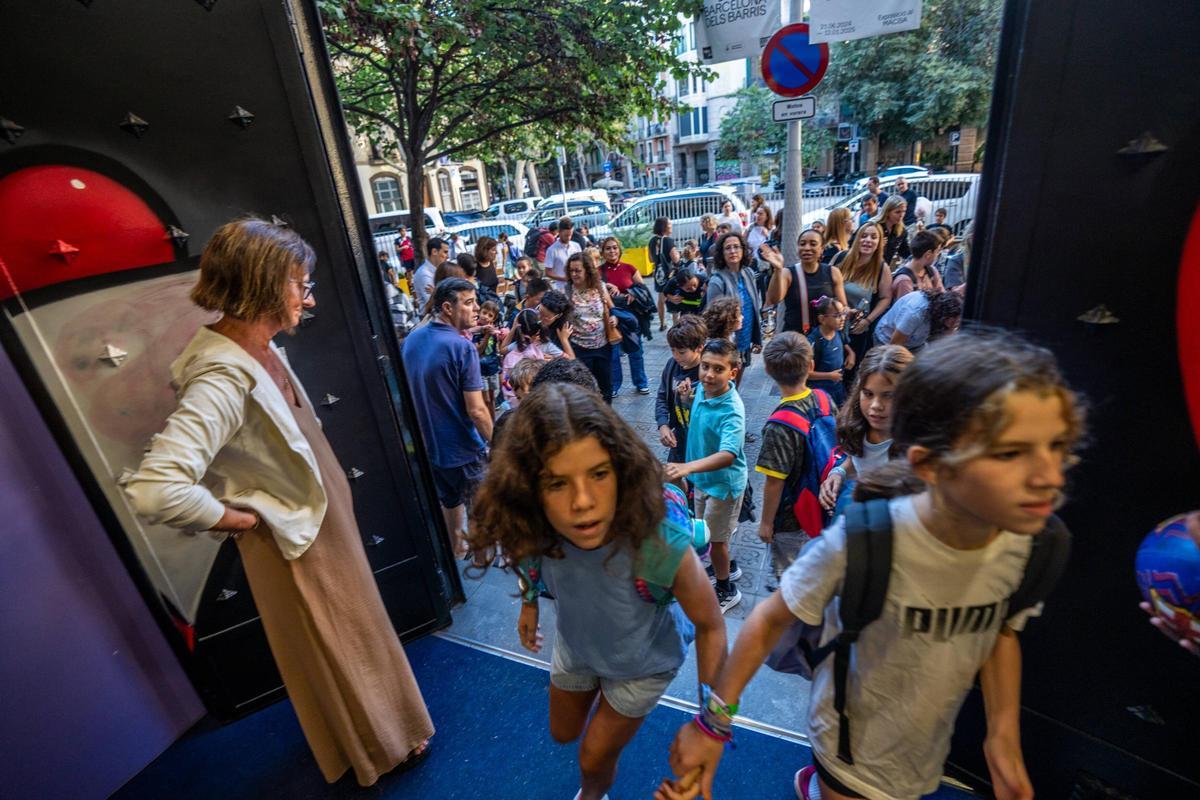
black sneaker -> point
(643, 390)
(727, 600)
(735, 572)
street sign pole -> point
(793, 195)
(562, 181)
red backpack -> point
(821, 454)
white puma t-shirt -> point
(911, 668)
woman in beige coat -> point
(244, 456)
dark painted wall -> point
(91, 692)
(1067, 222)
(70, 72)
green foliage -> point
(916, 84)
(748, 133)
(637, 236)
(814, 142)
(473, 77)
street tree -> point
(750, 134)
(917, 84)
(439, 79)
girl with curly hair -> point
(575, 488)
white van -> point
(583, 195)
(517, 208)
(684, 207)
(958, 193)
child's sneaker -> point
(729, 599)
(735, 572)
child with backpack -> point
(487, 341)
(932, 585)
(685, 293)
(831, 351)
(716, 460)
(575, 500)
(864, 427)
(673, 405)
(799, 441)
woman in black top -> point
(664, 256)
(819, 279)
(895, 238)
(485, 259)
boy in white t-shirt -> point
(985, 483)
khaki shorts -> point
(720, 515)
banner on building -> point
(843, 20)
(733, 29)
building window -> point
(472, 199)
(662, 149)
(445, 190)
(386, 191)
(703, 118)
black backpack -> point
(864, 591)
(531, 242)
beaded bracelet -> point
(726, 738)
(716, 723)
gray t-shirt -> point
(874, 455)
(913, 666)
(604, 627)
(910, 316)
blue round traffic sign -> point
(790, 65)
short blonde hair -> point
(246, 267)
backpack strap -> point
(792, 419)
(1047, 561)
(802, 288)
(659, 556)
(864, 591)
(824, 403)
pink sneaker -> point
(801, 781)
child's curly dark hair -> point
(508, 511)
(721, 316)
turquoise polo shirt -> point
(718, 424)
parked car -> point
(581, 212)
(582, 195)
(453, 218)
(472, 232)
(517, 208)
(389, 221)
(684, 207)
(905, 170)
(957, 193)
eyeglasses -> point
(308, 287)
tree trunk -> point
(519, 180)
(508, 187)
(531, 171)
(579, 158)
(416, 203)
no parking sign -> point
(791, 66)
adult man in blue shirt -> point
(447, 389)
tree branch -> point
(483, 137)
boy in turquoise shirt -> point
(716, 459)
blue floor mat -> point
(492, 741)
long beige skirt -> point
(341, 661)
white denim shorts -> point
(630, 697)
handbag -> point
(612, 332)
